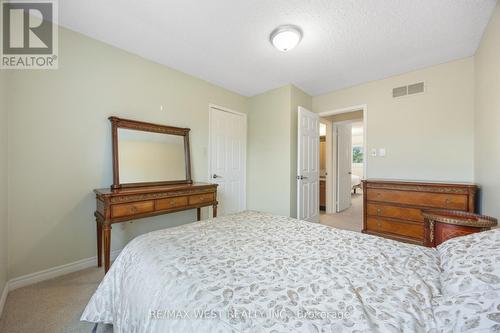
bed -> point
(256, 272)
(355, 182)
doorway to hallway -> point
(342, 168)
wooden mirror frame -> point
(117, 123)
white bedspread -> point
(355, 180)
(255, 272)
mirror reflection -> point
(150, 157)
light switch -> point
(381, 152)
(373, 152)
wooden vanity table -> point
(115, 206)
(151, 176)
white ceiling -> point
(226, 42)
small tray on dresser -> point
(441, 225)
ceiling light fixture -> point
(286, 37)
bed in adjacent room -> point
(255, 272)
(355, 182)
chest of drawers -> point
(393, 209)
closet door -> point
(227, 149)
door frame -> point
(211, 107)
(331, 142)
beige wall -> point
(427, 136)
(268, 169)
(487, 121)
(272, 150)
(60, 144)
(3, 182)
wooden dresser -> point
(393, 209)
(120, 205)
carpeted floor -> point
(53, 306)
(349, 219)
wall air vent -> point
(416, 88)
(400, 91)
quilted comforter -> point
(255, 272)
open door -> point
(308, 166)
(344, 166)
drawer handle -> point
(172, 202)
(134, 209)
(379, 194)
(447, 202)
(379, 210)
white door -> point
(227, 150)
(308, 166)
(344, 165)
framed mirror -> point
(146, 154)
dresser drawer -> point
(436, 200)
(201, 198)
(372, 225)
(169, 203)
(406, 229)
(404, 213)
(132, 208)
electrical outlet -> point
(381, 152)
(373, 152)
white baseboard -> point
(48, 274)
(3, 297)
(54, 272)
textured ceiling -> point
(346, 42)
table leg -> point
(214, 210)
(198, 213)
(99, 242)
(107, 246)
